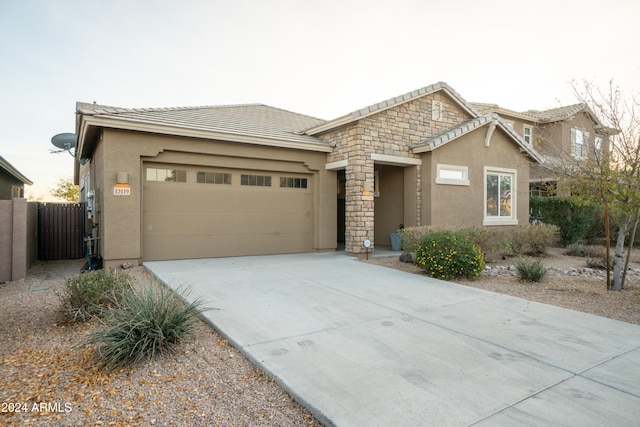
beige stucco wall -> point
(14, 257)
(459, 206)
(120, 217)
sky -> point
(323, 58)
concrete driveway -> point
(363, 345)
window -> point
(255, 180)
(213, 178)
(500, 197)
(452, 175)
(579, 140)
(527, 133)
(289, 182)
(166, 175)
(437, 111)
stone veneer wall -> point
(390, 132)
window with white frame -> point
(579, 141)
(452, 174)
(437, 110)
(527, 134)
(500, 196)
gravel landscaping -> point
(569, 284)
(49, 379)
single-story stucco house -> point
(216, 181)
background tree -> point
(66, 190)
(611, 174)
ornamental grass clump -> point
(90, 295)
(146, 323)
(447, 255)
(531, 270)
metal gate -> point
(60, 231)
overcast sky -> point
(323, 58)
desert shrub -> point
(575, 221)
(90, 294)
(512, 240)
(410, 237)
(446, 255)
(599, 261)
(580, 250)
(539, 237)
(483, 237)
(534, 238)
(531, 270)
(146, 323)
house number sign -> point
(121, 191)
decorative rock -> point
(406, 257)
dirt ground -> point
(47, 378)
(570, 284)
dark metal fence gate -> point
(60, 231)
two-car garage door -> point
(204, 212)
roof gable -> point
(6, 166)
(390, 103)
(456, 132)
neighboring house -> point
(15, 255)
(12, 182)
(572, 132)
(178, 183)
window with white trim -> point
(579, 141)
(452, 174)
(527, 134)
(500, 196)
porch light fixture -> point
(122, 178)
(368, 188)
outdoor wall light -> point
(368, 188)
(122, 178)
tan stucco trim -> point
(340, 164)
(385, 159)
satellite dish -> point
(64, 141)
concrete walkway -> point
(363, 345)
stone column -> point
(359, 203)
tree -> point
(610, 174)
(66, 190)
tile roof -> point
(560, 113)
(251, 120)
(451, 134)
(4, 164)
(389, 103)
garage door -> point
(193, 212)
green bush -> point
(410, 236)
(531, 270)
(575, 221)
(88, 295)
(146, 323)
(447, 255)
